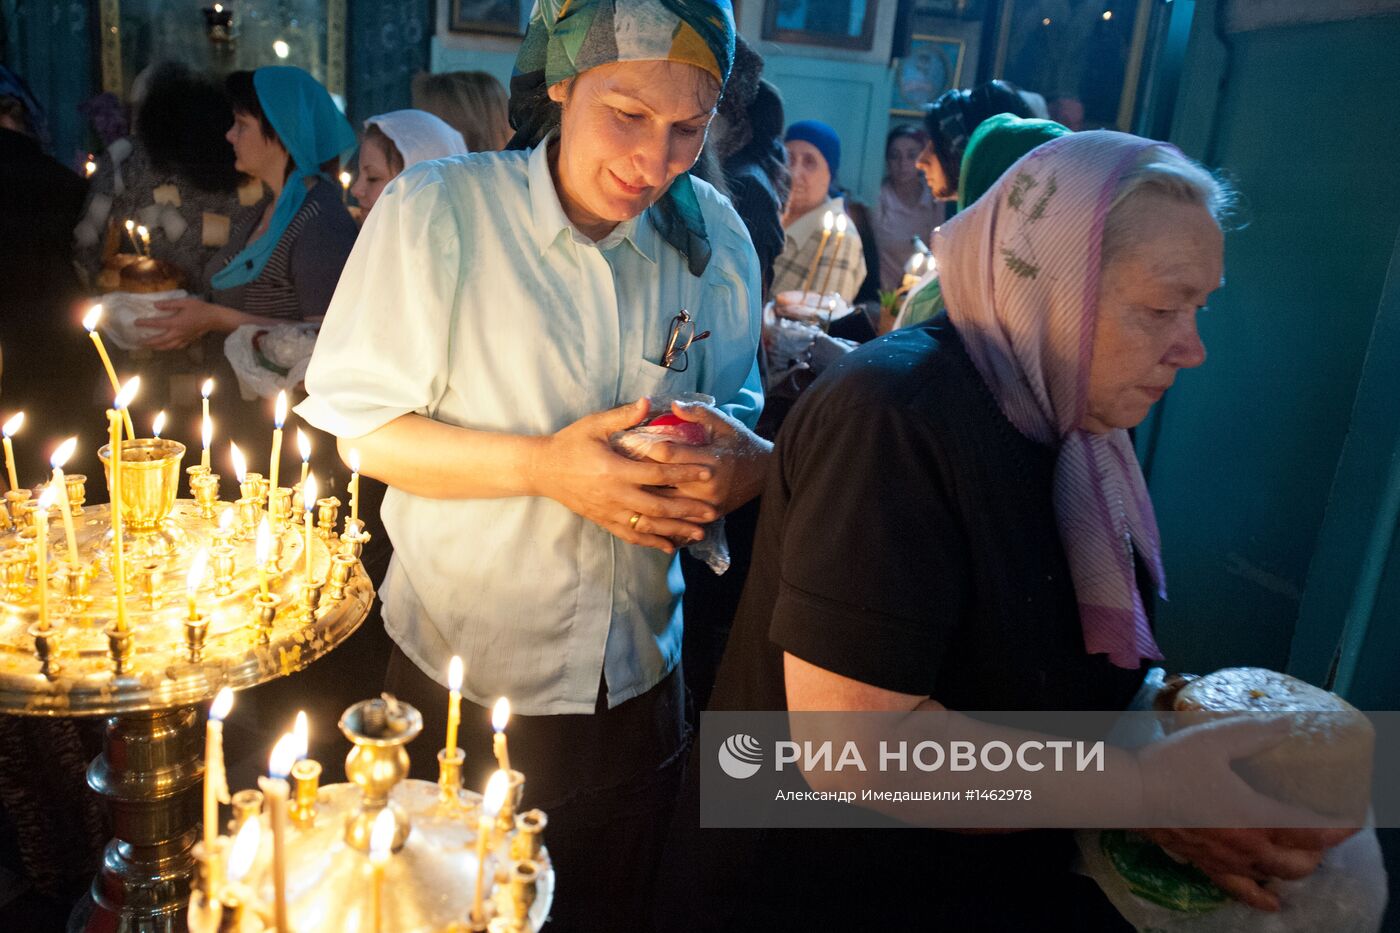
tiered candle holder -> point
(176, 650)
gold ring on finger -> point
(636, 517)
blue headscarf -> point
(567, 37)
(313, 131)
(12, 85)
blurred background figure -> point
(907, 207)
(471, 102)
(1067, 110)
(392, 142)
(951, 121)
(814, 158)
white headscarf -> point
(419, 136)
(1020, 273)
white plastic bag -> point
(121, 311)
(270, 359)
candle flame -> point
(127, 393)
(500, 714)
(495, 796)
(354, 457)
(218, 8)
(12, 426)
(345, 178)
(46, 499)
(64, 451)
(281, 49)
(454, 673)
(309, 492)
(240, 465)
(158, 425)
(206, 432)
(916, 262)
(222, 705)
(827, 220)
(226, 519)
(303, 446)
(841, 225)
(90, 167)
(264, 547)
(130, 225)
(279, 416)
(143, 232)
(207, 389)
(195, 578)
(92, 317)
(284, 753)
(353, 528)
(301, 732)
(381, 836)
(245, 849)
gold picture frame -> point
(934, 64)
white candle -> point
(381, 844)
(276, 791)
(10, 429)
(215, 783)
(304, 448)
(454, 703)
(41, 546)
(278, 418)
(827, 220)
(207, 424)
(308, 499)
(90, 322)
(354, 458)
(60, 487)
(124, 398)
(491, 802)
(244, 851)
(500, 715)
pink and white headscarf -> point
(1020, 271)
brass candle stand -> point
(425, 886)
(150, 676)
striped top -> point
(300, 276)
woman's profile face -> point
(627, 130)
(938, 182)
(811, 177)
(1148, 299)
(374, 174)
(902, 159)
(253, 153)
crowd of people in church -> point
(910, 408)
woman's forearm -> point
(226, 320)
(441, 461)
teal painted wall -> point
(1247, 447)
(49, 43)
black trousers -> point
(607, 780)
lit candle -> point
(308, 499)
(264, 554)
(301, 731)
(304, 448)
(145, 235)
(835, 252)
(207, 430)
(90, 322)
(114, 424)
(158, 424)
(827, 220)
(244, 851)
(354, 458)
(10, 429)
(454, 703)
(240, 464)
(381, 843)
(90, 166)
(194, 580)
(215, 782)
(276, 791)
(500, 715)
(131, 235)
(59, 458)
(278, 418)
(490, 806)
(912, 270)
(41, 546)
(345, 187)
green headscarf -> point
(567, 37)
(312, 130)
(995, 146)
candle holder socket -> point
(121, 645)
(515, 788)
(46, 647)
(196, 629)
(265, 614)
(195, 472)
(75, 484)
(14, 573)
(205, 488)
(151, 573)
(298, 506)
(247, 805)
(76, 580)
(327, 511)
(450, 775)
(311, 599)
(528, 841)
(380, 729)
(222, 556)
(25, 515)
(524, 876)
(342, 568)
(354, 544)
(264, 485)
(248, 489)
(306, 782)
(281, 506)
(248, 516)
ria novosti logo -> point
(740, 756)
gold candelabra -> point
(380, 853)
(139, 615)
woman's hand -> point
(809, 307)
(737, 458)
(578, 468)
(188, 320)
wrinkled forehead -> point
(673, 89)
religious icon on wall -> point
(933, 65)
(841, 23)
(502, 17)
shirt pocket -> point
(653, 379)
